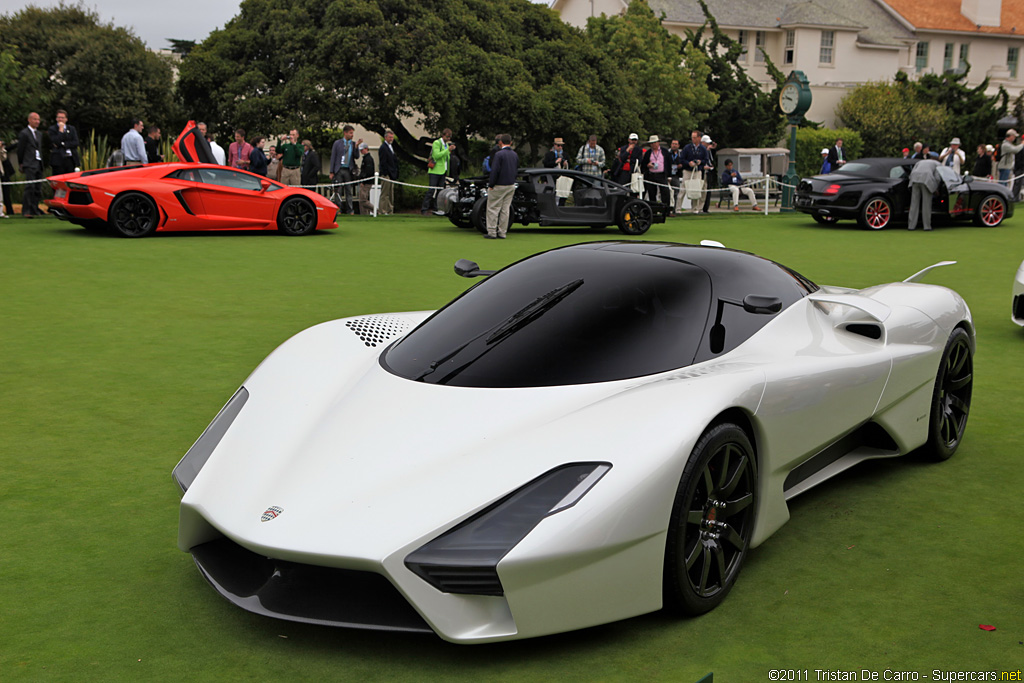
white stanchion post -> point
(767, 183)
(375, 193)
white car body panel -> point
(368, 466)
(1017, 307)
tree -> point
(667, 90)
(745, 116)
(24, 91)
(101, 74)
(889, 117)
(971, 114)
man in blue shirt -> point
(343, 162)
(133, 146)
(695, 158)
(501, 187)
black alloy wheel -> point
(951, 398)
(712, 521)
(636, 217)
(297, 216)
(133, 214)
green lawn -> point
(115, 354)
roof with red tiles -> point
(945, 15)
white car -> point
(592, 433)
(1017, 307)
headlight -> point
(186, 470)
(465, 558)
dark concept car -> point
(590, 434)
(581, 200)
(192, 194)
(876, 193)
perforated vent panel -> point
(377, 329)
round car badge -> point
(272, 512)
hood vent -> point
(377, 329)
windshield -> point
(568, 316)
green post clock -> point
(794, 101)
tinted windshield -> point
(569, 316)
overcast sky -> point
(151, 21)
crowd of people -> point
(669, 175)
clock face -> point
(789, 98)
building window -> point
(963, 56)
(790, 53)
(744, 44)
(828, 39)
(1012, 59)
(947, 58)
(921, 62)
(759, 39)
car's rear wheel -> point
(636, 217)
(297, 216)
(133, 214)
(825, 220)
(951, 398)
(712, 521)
(478, 216)
(875, 214)
(991, 211)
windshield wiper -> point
(524, 316)
(533, 310)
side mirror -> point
(264, 185)
(968, 178)
(756, 303)
(466, 268)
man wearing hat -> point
(953, 156)
(695, 159)
(1007, 156)
(628, 158)
(555, 158)
(655, 166)
(710, 177)
(826, 167)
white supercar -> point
(592, 433)
(1017, 304)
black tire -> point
(712, 521)
(598, 227)
(458, 222)
(951, 398)
(875, 214)
(825, 220)
(133, 214)
(635, 217)
(991, 211)
(297, 216)
(478, 215)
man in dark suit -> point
(63, 145)
(30, 158)
(310, 173)
(388, 173)
(837, 155)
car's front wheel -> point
(712, 521)
(875, 214)
(636, 217)
(297, 216)
(951, 397)
(133, 214)
(991, 211)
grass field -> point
(115, 354)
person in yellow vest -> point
(437, 169)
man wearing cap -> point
(655, 167)
(555, 158)
(710, 177)
(953, 156)
(1007, 156)
(826, 167)
(629, 158)
(591, 157)
(836, 155)
(695, 158)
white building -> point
(839, 44)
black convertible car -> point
(876, 192)
(579, 199)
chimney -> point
(982, 12)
